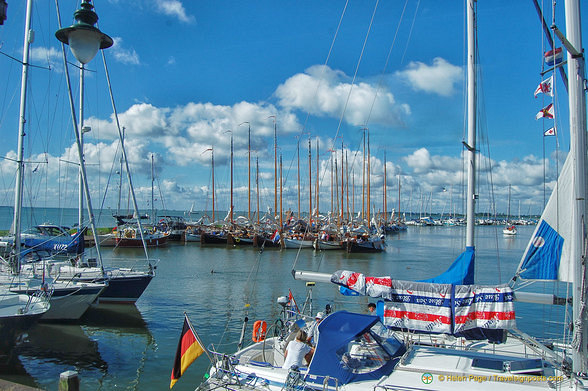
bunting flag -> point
(546, 112)
(275, 237)
(189, 349)
(291, 301)
(545, 87)
(550, 132)
(554, 57)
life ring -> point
(259, 329)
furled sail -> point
(547, 256)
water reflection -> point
(108, 348)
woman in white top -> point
(297, 350)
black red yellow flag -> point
(189, 349)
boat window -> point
(488, 363)
(366, 353)
(529, 366)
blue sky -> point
(185, 72)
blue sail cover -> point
(461, 271)
(55, 244)
(542, 259)
(336, 331)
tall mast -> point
(28, 38)
(212, 165)
(577, 103)
(120, 175)
(471, 143)
(231, 204)
(152, 198)
(332, 180)
(309, 182)
(398, 218)
(368, 180)
(298, 156)
(317, 182)
(248, 169)
(363, 214)
(281, 185)
(275, 167)
(385, 195)
(342, 183)
(257, 185)
(347, 184)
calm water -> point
(133, 347)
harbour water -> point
(133, 347)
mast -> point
(120, 175)
(471, 143)
(81, 130)
(317, 181)
(309, 182)
(363, 179)
(275, 167)
(212, 167)
(398, 218)
(347, 185)
(231, 205)
(281, 185)
(577, 103)
(152, 205)
(385, 195)
(368, 180)
(342, 183)
(28, 38)
(298, 156)
(257, 185)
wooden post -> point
(69, 381)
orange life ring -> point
(259, 329)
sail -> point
(460, 272)
(547, 256)
(435, 308)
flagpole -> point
(197, 337)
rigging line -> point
(326, 61)
(381, 81)
(356, 71)
(410, 32)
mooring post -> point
(69, 381)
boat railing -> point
(131, 265)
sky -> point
(187, 76)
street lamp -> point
(84, 40)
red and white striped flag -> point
(546, 112)
(546, 87)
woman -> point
(297, 350)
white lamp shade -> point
(84, 44)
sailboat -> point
(510, 229)
(421, 336)
(122, 284)
(18, 313)
(68, 299)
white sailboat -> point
(69, 300)
(425, 343)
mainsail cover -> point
(547, 256)
(435, 308)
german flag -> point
(189, 349)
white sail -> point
(547, 256)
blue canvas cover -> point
(336, 331)
(460, 272)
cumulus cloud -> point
(186, 131)
(439, 78)
(322, 91)
(122, 54)
(176, 9)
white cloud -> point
(122, 54)
(439, 78)
(176, 9)
(323, 91)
